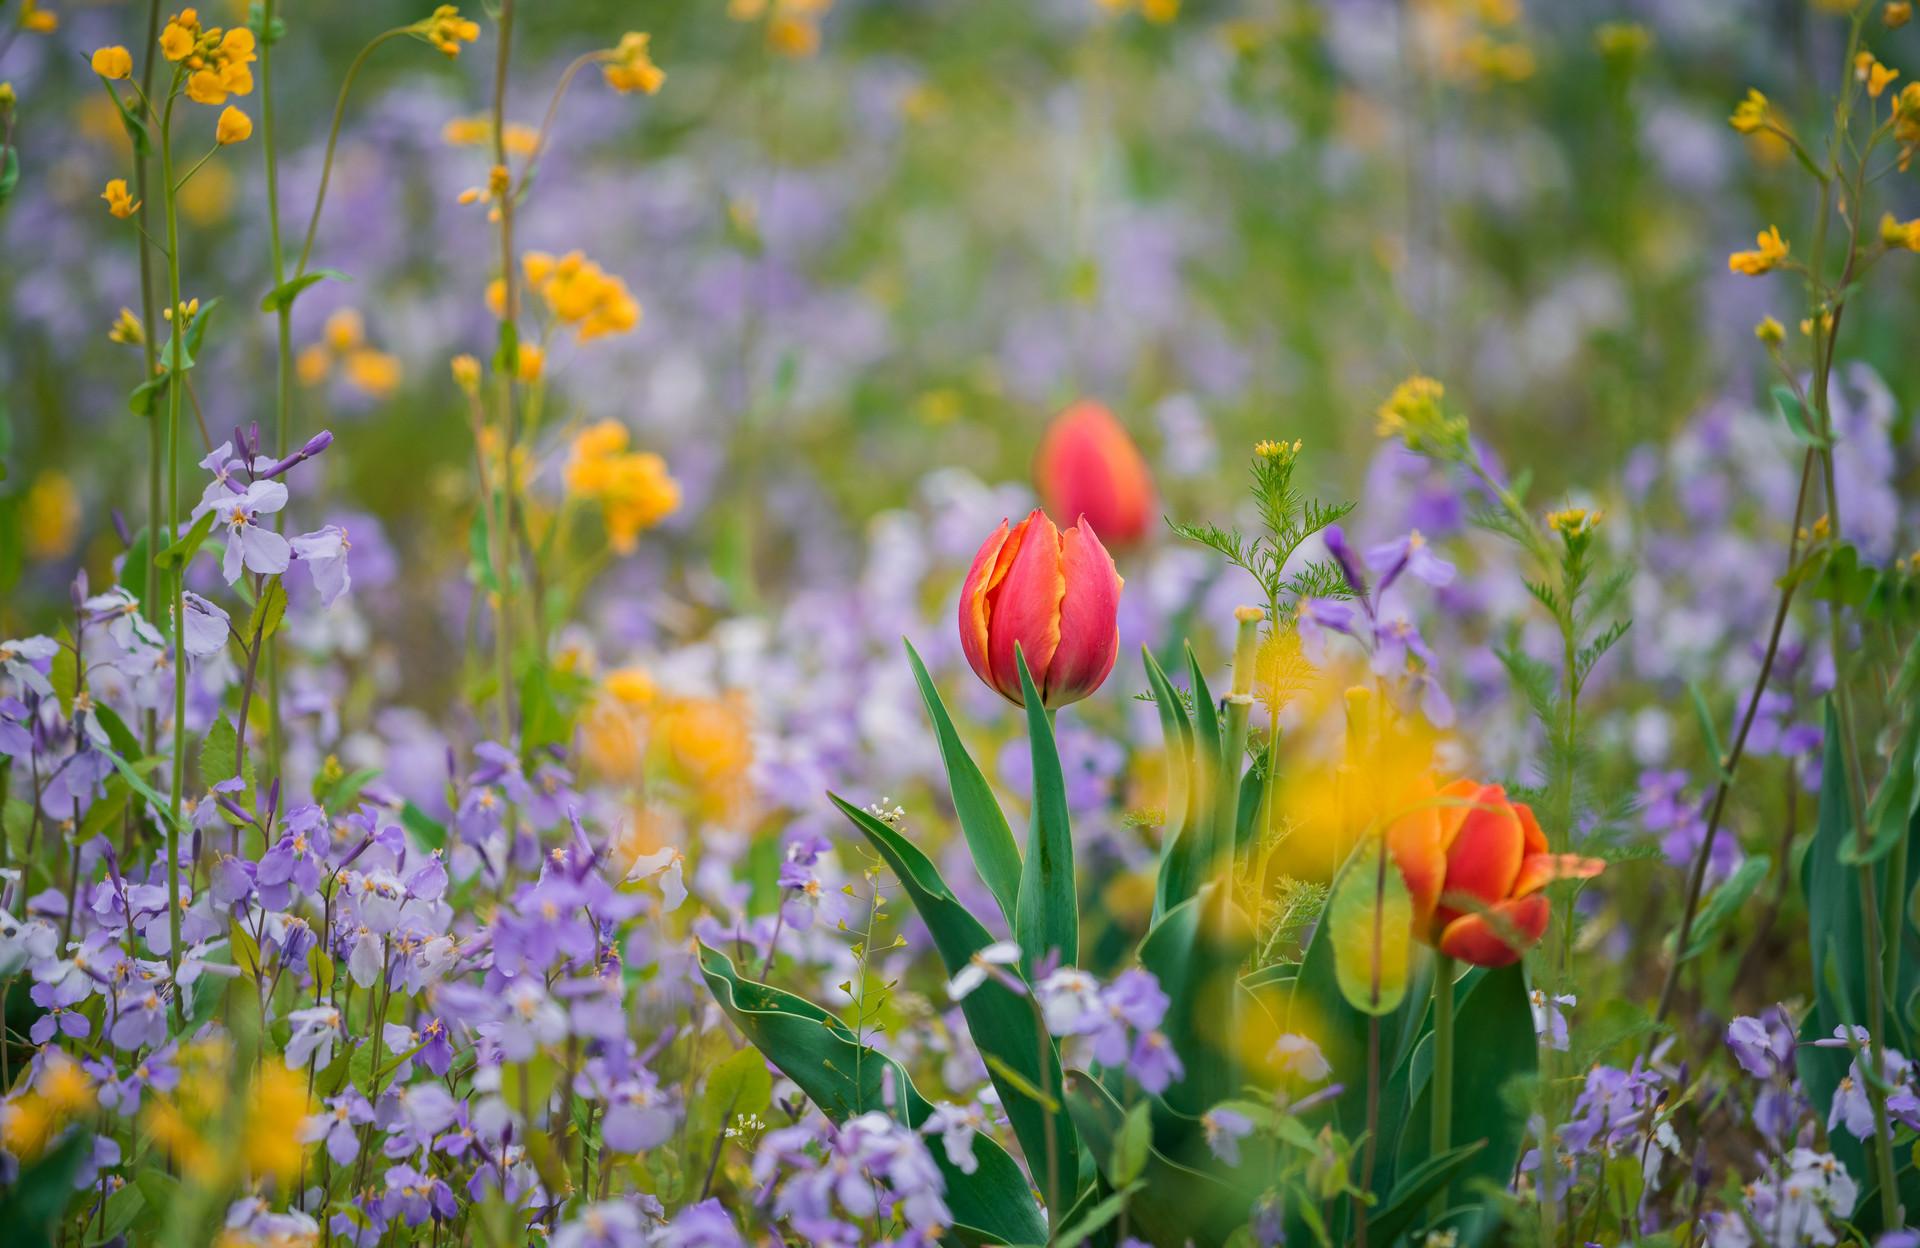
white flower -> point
(974, 973)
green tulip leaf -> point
(1047, 912)
(1370, 921)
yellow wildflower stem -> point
(553, 107)
(505, 367)
(333, 138)
(149, 350)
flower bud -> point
(1088, 466)
(1053, 594)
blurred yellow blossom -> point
(1771, 254)
(793, 26)
(466, 372)
(532, 363)
(1896, 14)
(632, 67)
(114, 62)
(36, 19)
(52, 516)
(1751, 114)
(1413, 413)
(279, 1098)
(1897, 233)
(633, 488)
(127, 329)
(343, 343)
(579, 293)
(1868, 69)
(1770, 331)
(477, 130)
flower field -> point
(1127, 623)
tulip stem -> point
(1442, 1082)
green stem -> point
(175, 385)
(283, 355)
(333, 138)
(505, 369)
(1441, 1081)
(150, 353)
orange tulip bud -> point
(1476, 869)
(1056, 595)
(1089, 467)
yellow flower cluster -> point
(1159, 12)
(633, 488)
(793, 26)
(477, 130)
(344, 342)
(1868, 69)
(61, 1093)
(189, 1124)
(1414, 414)
(114, 63)
(632, 68)
(216, 61)
(1574, 522)
(1770, 255)
(579, 293)
(37, 20)
(445, 29)
(1897, 233)
(1752, 114)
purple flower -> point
(250, 544)
(637, 1117)
(1225, 1128)
(1154, 1065)
(315, 1029)
(324, 551)
(957, 1125)
(1413, 556)
(339, 1125)
(1762, 1046)
(705, 1225)
(207, 627)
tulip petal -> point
(1024, 606)
(986, 572)
(1483, 859)
(1453, 813)
(1088, 466)
(1499, 937)
(1536, 839)
(1415, 842)
(1089, 639)
(1539, 870)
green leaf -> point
(1131, 1146)
(1725, 902)
(180, 552)
(159, 803)
(1788, 404)
(1370, 918)
(219, 753)
(271, 608)
(118, 734)
(9, 173)
(283, 295)
(1195, 951)
(1408, 1203)
(1175, 1204)
(430, 832)
(1096, 1218)
(1176, 728)
(995, 856)
(843, 1077)
(1187, 855)
(1001, 1021)
(31, 1206)
(136, 129)
(1047, 912)
(64, 672)
(738, 1086)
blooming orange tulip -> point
(1054, 594)
(1089, 467)
(1476, 870)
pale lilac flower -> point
(250, 544)
(980, 965)
(1549, 1017)
(1300, 1057)
(1225, 1128)
(207, 627)
(315, 1029)
(324, 551)
(339, 1125)
(20, 659)
(956, 1125)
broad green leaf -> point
(1370, 920)
(271, 608)
(427, 830)
(9, 173)
(283, 295)
(37, 1198)
(1195, 951)
(740, 1085)
(1130, 1147)
(1001, 1022)
(64, 673)
(180, 552)
(819, 1053)
(219, 753)
(1047, 912)
(1176, 727)
(1407, 1206)
(1097, 1217)
(995, 856)
(1187, 856)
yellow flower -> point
(182, 32)
(706, 743)
(1772, 253)
(1897, 233)
(374, 372)
(345, 330)
(1751, 114)
(114, 62)
(634, 489)
(120, 202)
(1414, 414)
(36, 19)
(1622, 40)
(1869, 70)
(581, 294)
(279, 1099)
(632, 686)
(790, 36)
(1572, 522)
(1160, 12)
(52, 516)
(445, 29)
(466, 373)
(632, 68)
(1770, 331)
(533, 362)
(234, 127)
(127, 329)
(1896, 14)
(313, 364)
(478, 130)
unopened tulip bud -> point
(1088, 466)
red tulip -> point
(1476, 870)
(1089, 467)
(1055, 594)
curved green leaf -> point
(843, 1077)
(1187, 856)
(1001, 1021)
(1047, 912)
(1176, 726)
(1408, 1203)
(995, 856)
(1177, 1204)
(1195, 951)
(1370, 921)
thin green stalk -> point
(1441, 1081)
(505, 368)
(1233, 747)
(283, 343)
(150, 354)
(174, 387)
(333, 138)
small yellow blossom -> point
(120, 202)
(343, 343)
(372, 372)
(181, 33)
(1897, 233)
(580, 294)
(1896, 14)
(1751, 114)
(1572, 522)
(477, 130)
(52, 516)
(1160, 12)
(234, 127)
(1770, 255)
(279, 1097)
(1622, 41)
(445, 29)
(37, 20)
(127, 329)
(114, 62)
(466, 372)
(632, 686)
(532, 363)
(1414, 414)
(1770, 331)
(1868, 69)
(632, 68)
